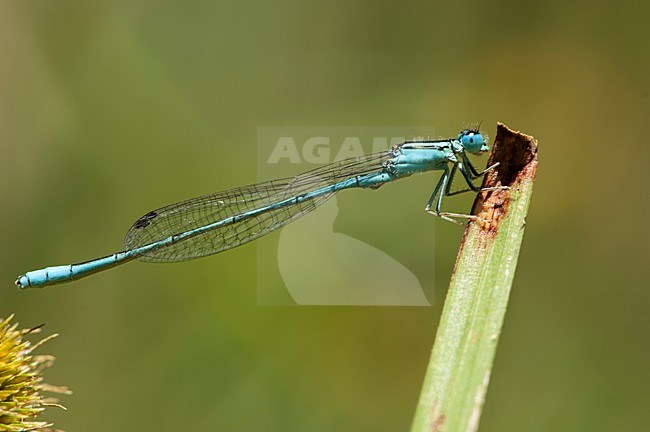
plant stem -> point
(459, 370)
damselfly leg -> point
(443, 188)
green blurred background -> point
(108, 110)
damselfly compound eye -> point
(472, 141)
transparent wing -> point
(204, 210)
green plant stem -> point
(459, 370)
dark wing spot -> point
(145, 220)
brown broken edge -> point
(516, 154)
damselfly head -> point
(472, 141)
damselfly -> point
(214, 223)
